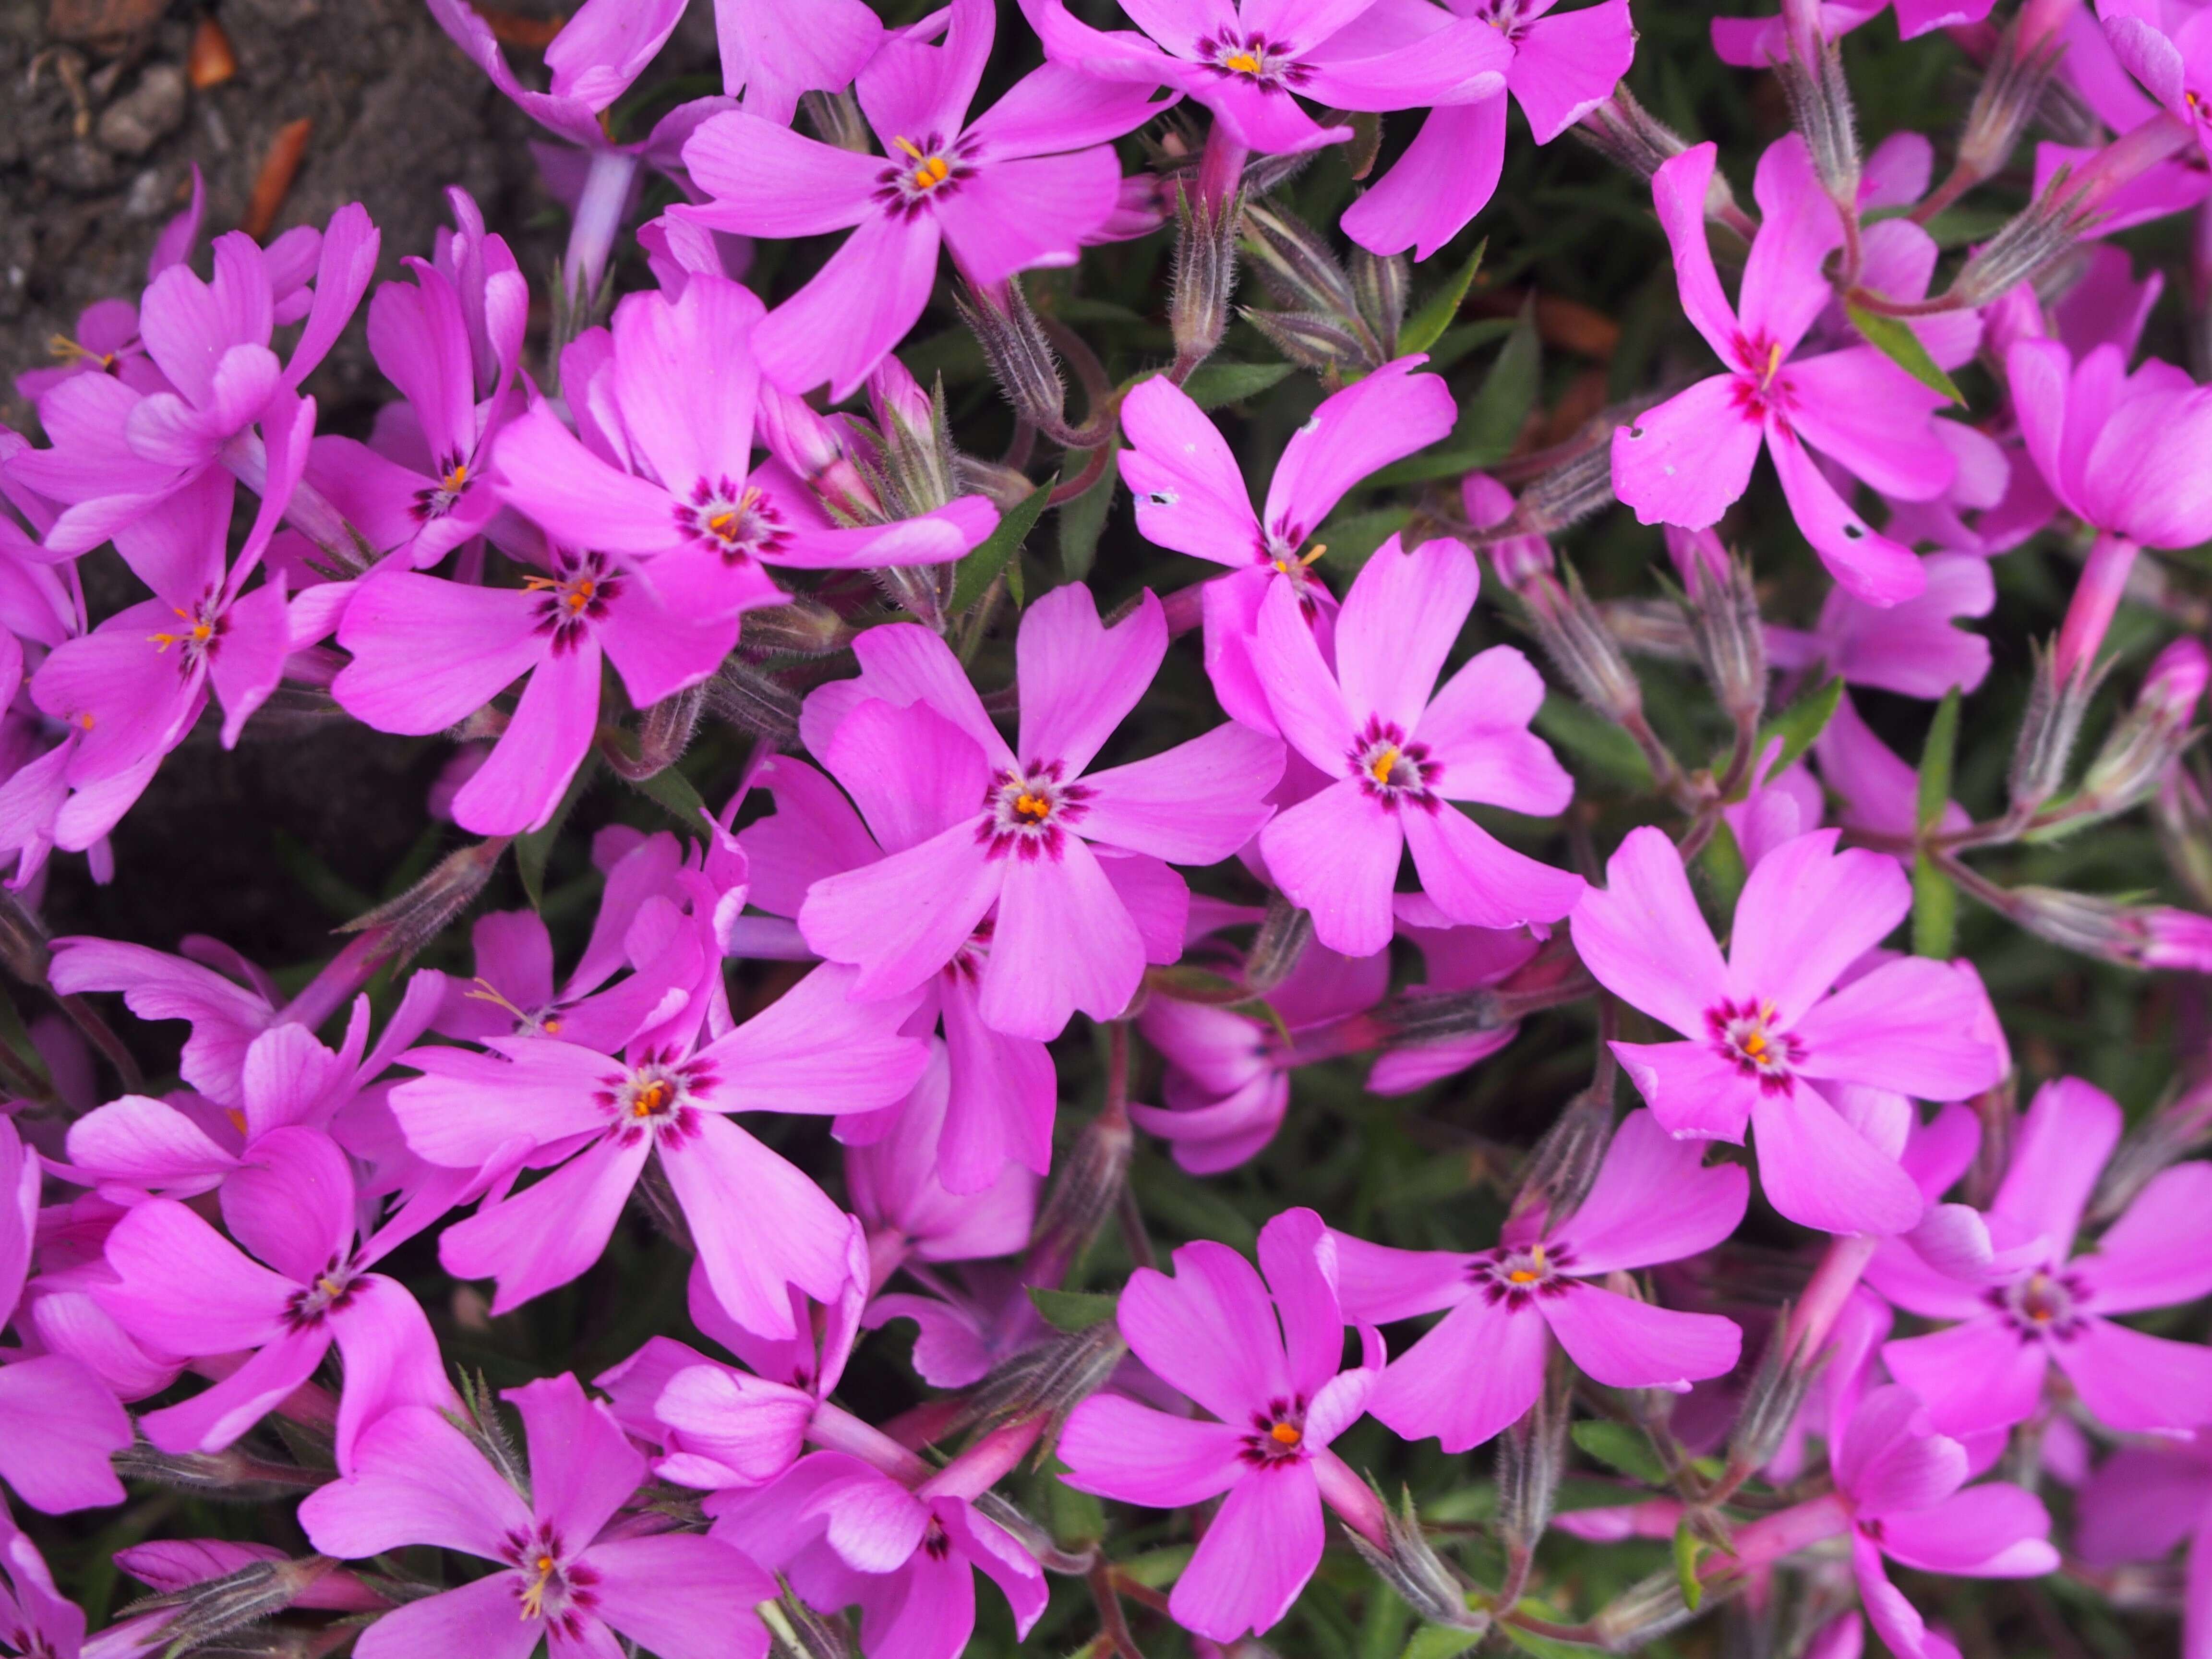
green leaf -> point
(672, 791)
(1490, 421)
(1603, 747)
(1935, 909)
(1895, 340)
(531, 851)
(1545, 1646)
(1440, 1642)
(1724, 866)
(1800, 726)
(1072, 1310)
(1936, 755)
(1622, 1448)
(1426, 327)
(1082, 519)
(1352, 538)
(977, 571)
(1688, 1547)
(1078, 1519)
(1157, 1568)
(1212, 385)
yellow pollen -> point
(328, 1285)
(1284, 1434)
(237, 1118)
(533, 1596)
(1036, 808)
(650, 1099)
(931, 174)
(581, 595)
(1534, 1271)
(551, 1028)
(908, 146)
(1773, 362)
(1244, 62)
(454, 481)
(720, 521)
(85, 720)
(1521, 1276)
(1379, 767)
(1755, 1045)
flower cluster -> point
(1073, 891)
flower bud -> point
(2183, 817)
(917, 458)
(2011, 86)
(798, 626)
(1021, 360)
(1380, 285)
(1311, 339)
(1582, 649)
(1697, 556)
(836, 119)
(746, 697)
(234, 1476)
(1050, 1380)
(1084, 1192)
(1648, 628)
(2047, 731)
(815, 449)
(1625, 133)
(1643, 1612)
(2032, 238)
(1562, 1167)
(1295, 263)
(406, 924)
(215, 1606)
(1532, 1455)
(663, 732)
(1517, 559)
(1570, 491)
(800, 1633)
(2133, 936)
(1411, 1022)
(1770, 1403)
(2144, 744)
(1436, 1590)
(1283, 934)
(1204, 275)
(1820, 109)
(1729, 638)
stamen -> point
(908, 146)
(1284, 1434)
(1379, 767)
(454, 481)
(1244, 62)
(650, 1099)
(1036, 808)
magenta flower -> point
(1457, 959)
(2142, 1502)
(35, 1617)
(897, 1189)
(773, 50)
(846, 1535)
(2120, 451)
(59, 1425)
(1686, 461)
(1900, 1483)
(1227, 1083)
(1763, 42)
(1264, 1360)
(427, 654)
(117, 454)
(2169, 50)
(910, 772)
(1482, 1366)
(1395, 757)
(424, 492)
(1762, 1037)
(185, 1290)
(1067, 935)
(1909, 648)
(669, 470)
(1024, 185)
(1564, 65)
(1191, 497)
(566, 1573)
(2038, 1303)
(1251, 61)
(224, 1014)
(759, 1224)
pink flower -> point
(909, 769)
(1763, 42)
(2037, 1302)
(1763, 1043)
(1564, 65)
(59, 1425)
(185, 1290)
(566, 1572)
(759, 1224)
(1482, 1366)
(1263, 1360)
(2169, 50)
(1909, 648)
(1073, 928)
(895, 1181)
(1249, 62)
(2142, 1502)
(1457, 959)
(1686, 461)
(1900, 1483)
(1395, 757)
(117, 454)
(668, 469)
(1191, 497)
(1024, 185)
(846, 1535)
(773, 50)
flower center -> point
(579, 595)
(2045, 1304)
(1028, 811)
(62, 349)
(439, 499)
(1745, 1036)
(922, 172)
(1518, 1276)
(331, 1291)
(657, 1098)
(1278, 1433)
(552, 1588)
(199, 630)
(1388, 768)
(742, 523)
(1253, 58)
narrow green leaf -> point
(18, 1038)
(1352, 538)
(1895, 340)
(1688, 1547)
(1622, 1448)
(1082, 520)
(1936, 755)
(1544, 1647)
(1724, 866)
(1440, 1642)
(1157, 1568)
(1935, 909)
(1078, 1519)
(672, 793)
(1212, 385)
(1426, 327)
(531, 851)
(1800, 726)
(978, 570)
(1072, 1311)
(1602, 748)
